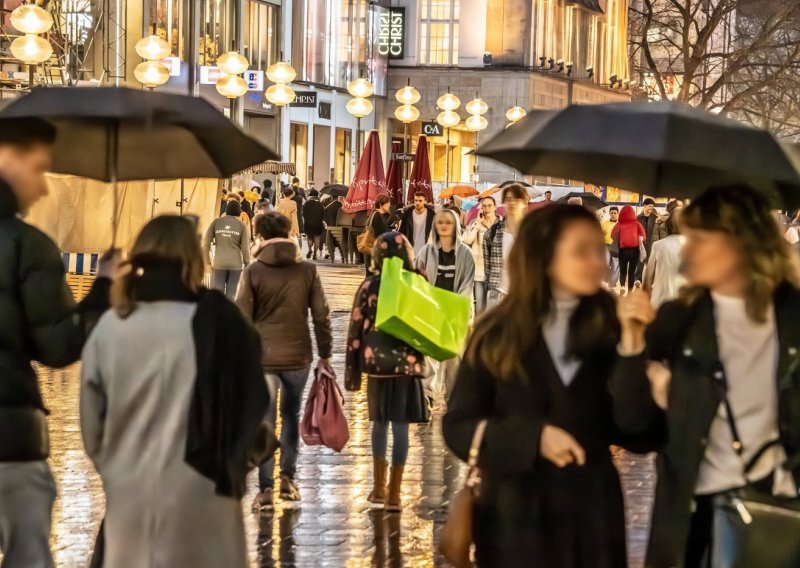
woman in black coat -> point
(394, 370)
(735, 333)
(537, 369)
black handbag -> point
(751, 526)
(614, 247)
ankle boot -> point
(393, 502)
(378, 493)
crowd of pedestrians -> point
(557, 369)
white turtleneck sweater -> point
(555, 331)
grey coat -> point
(231, 243)
(137, 382)
(428, 262)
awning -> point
(272, 168)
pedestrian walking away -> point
(473, 237)
(498, 241)
(394, 371)
(713, 383)
(537, 369)
(630, 234)
(289, 208)
(417, 222)
(227, 245)
(40, 323)
(662, 276)
(278, 291)
(314, 217)
(447, 263)
(648, 219)
(378, 223)
(172, 446)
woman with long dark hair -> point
(714, 381)
(536, 369)
(394, 370)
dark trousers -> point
(226, 281)
(628, 259)
(291, 385)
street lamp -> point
(152, 48)
(408, 95)
(281, 72)
(515, 114)
(232, 63)
(448, 118)
(231, 85)
(151, 74)
(475, 123)
(31, 49)
(407, 113)
(360, 106)
(280, 94)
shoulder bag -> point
(752, 527)
(456, 538)
(642, 250)
(366, 240)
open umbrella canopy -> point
(369, 181)
(420, 179)
(590, 200)
(459, 190)
(336, 190)
(659, 149)
(119, 134)
(532, 190)
(394, 176)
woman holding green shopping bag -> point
(394, 375)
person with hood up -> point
(231, 249)
(448, 264)
(630, 233)
(394, 370)
(277, 293)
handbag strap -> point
(737, 440)
(477, 440)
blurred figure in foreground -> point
(663, 273)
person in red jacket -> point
(630, 233)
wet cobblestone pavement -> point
(332, 526)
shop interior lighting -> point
(31, 19)
(152, 48)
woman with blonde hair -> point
(712, 381)
(172, 408)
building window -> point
(439, 32)
(261, 36)
(167, 16)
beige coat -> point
(137, 381)
(288, 208)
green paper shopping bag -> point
(432, 320)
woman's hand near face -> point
(635, 312)
(559, 447)
(660, 377)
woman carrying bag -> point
(715, 387)
(536, 372)
(394, 375)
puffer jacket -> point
(276, 293)
(628, 228)
(40, 322)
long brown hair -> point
(745, 215)
(165, 239)
(505, 334)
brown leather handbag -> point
(366, 240)
(456, 539)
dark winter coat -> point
(684, 337)
(530, 512)
(276, 293)
(332, 213)
(40, 322)
(313, 217)
(648, 222)
(407, 224)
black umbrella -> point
(336, 190)
(118, 134)
(590, 200)
(660, 149)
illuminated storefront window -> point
(439, 32)
(168, 17)
(261, 34)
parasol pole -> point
(406, 145)
(447, 162)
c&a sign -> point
(391, 33)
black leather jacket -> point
(39, 321)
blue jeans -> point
(480, 291)
(226, 281)
(291, 385)
(380, 441)
(613, 265)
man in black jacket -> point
(647, 218)
(40, 322)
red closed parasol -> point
(369, 181)
(394, 176)
(421, 173)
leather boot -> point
(393, 502)
(378, 493)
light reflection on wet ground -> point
(333, 525)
